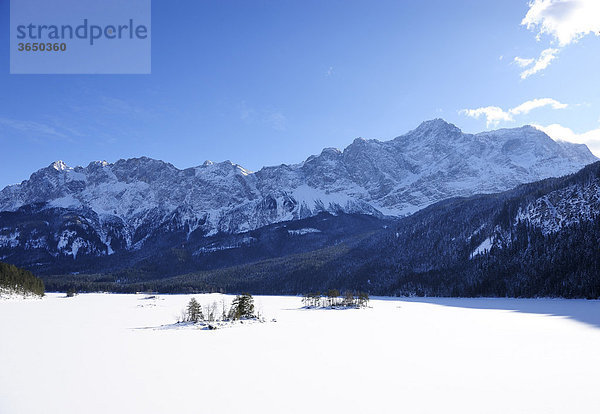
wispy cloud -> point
(522, 62)
(276, 120)
(537, 65)
(559, 132)
(528, 106)
(32, 127)
(494, 114)
(565, 21)
(270, 117)
(120, 106)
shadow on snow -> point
(581, 310)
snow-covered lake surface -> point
(93, 354)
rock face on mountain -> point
(105, 208)
(538, 239)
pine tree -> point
(348, 298)
(242, 307)
(194, 311)
(363, 299)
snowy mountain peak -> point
(530, 127)
(102, 163)
(436, 126)
(331, 152)
(129, 201)
(224, 167)
(59, 165)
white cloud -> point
(522, 62)
(494, 114)
(565, 20)
(561, 133)
(539, 64)
(526, 107)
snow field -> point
(99, 353)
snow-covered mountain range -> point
(107, 207)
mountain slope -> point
(79, 214)
(19, 281)
(478, 246)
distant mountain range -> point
(527, 242)
(146, 214)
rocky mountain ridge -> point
(105, 208)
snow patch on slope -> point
(483, 248)
(302, 232)
(563, 207)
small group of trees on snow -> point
(333, 299)
(242, 307)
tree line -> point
(19, 280)
(333, 299)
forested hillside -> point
(14, 279)
(486, 245)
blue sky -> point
(270, 82)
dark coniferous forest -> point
(429, 253)
(14, 279)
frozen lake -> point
(94, 353)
